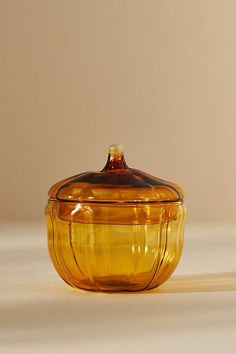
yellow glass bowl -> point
(115, 230)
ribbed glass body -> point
(131, 248)
(119, 229)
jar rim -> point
(122, 202)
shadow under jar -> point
(117, 229)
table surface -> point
(193, 312)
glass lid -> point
(116, 183)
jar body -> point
(112, 247)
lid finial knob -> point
(116, 150)
(116, 158)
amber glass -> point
(117, 229)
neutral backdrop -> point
(159, 77)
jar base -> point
(113, 284)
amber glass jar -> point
(117, 229)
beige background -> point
(158, 77)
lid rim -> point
(116, 202)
